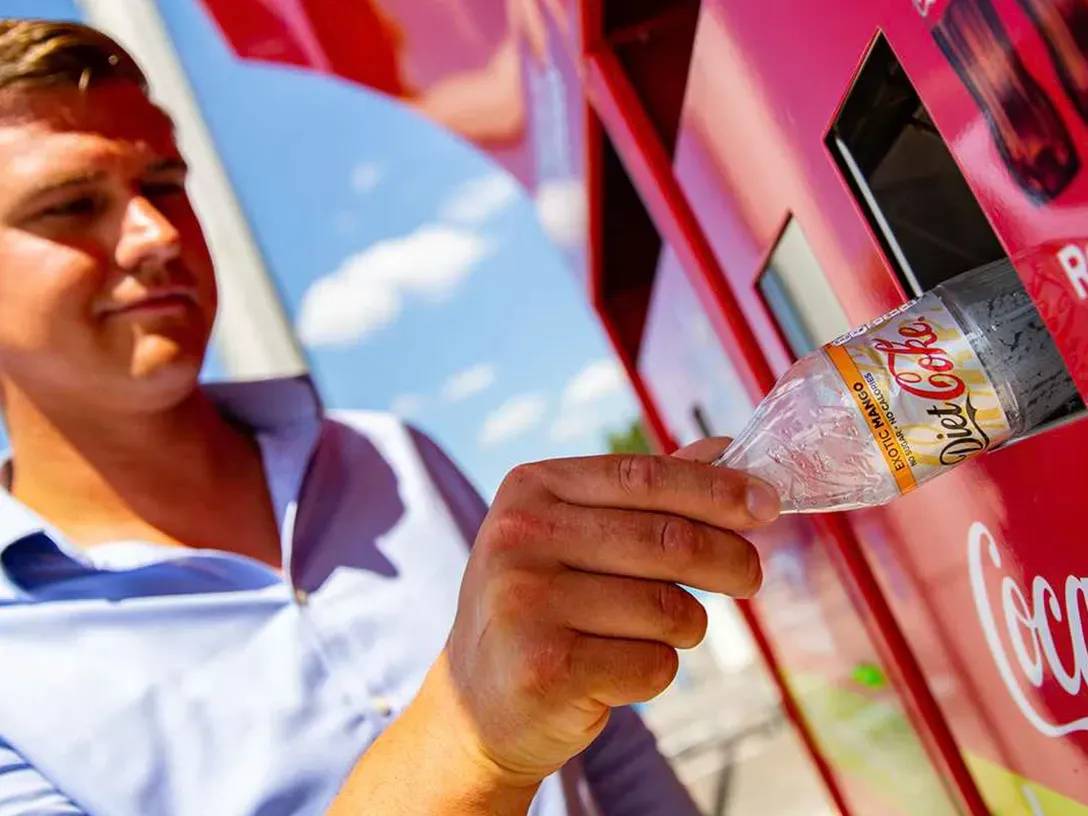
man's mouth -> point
(162, 300)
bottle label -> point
(924, 395)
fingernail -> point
(762, 501)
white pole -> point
(253, 333)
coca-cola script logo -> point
(1030, 619)
(919, 350)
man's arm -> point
(569, 608)
(24, 791)
(428, 762)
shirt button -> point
(383, 705)
(302, 597)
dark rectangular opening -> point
(916, 200)
(630, 249)
(653, 40)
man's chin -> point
(156, 356)
(163, 369)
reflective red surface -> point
(982, 568)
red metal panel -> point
(652, 172)
(977, 568)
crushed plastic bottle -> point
(872, 415)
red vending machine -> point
(738, 183)
(828, 162)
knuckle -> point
(679, 541)
(520, 477)
(638, 474)
(513, 527)
(548, 666)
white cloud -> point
(366, 176)
(480, 199)
(517, 416)
(563, 211)
(598, 379)
(367, 291)
(339, 310)
(570, 425)
(580, 407)
(471, 381)
(406, 405)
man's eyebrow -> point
(75, 180)
(168, 165)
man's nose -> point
(147, 237)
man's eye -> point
(160, 189)
(84, 205)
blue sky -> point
(415, 269)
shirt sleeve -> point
(628, 776)
(25, 792)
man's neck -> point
(170, 477)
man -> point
(221, 601)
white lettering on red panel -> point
(1029, 620)
(1075, 265)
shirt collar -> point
(285, 414)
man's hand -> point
(570, 606)
(570, 603)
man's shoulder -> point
(415, 454)
(395, 439)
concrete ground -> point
(726, 736)
(768, 776)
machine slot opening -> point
(909, 186)
(917, 201)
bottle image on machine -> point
(1030, 136)
(1063, 24)
(899, 401)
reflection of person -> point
(369, 42)
(221, 601)
(487, 105)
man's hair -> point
(48, 53)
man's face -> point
(107, 293)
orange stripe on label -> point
(876, 418)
